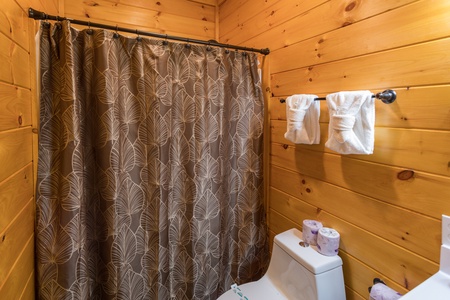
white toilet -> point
(295, 272)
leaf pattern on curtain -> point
(150, 168)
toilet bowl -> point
(296, 271)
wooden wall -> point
(390, 227)
(187, 18)
(17, 147)
(18, 100)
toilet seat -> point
(258, 290)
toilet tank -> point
(302, 273)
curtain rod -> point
(387, 97)
(38, 15)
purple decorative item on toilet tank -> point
(310, 231)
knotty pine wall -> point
(390, 226)
(187, 18)
(18, 116)
(18, 143)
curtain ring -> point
(187, 45)
(165, 42)
(89, 31)
(116, 34)
(138, 38)
(208, 48)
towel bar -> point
(387, 97)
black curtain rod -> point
(387, 97)
(38, 15)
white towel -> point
(302, 114)
(352, 121)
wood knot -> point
(405, 174)
(350, 6)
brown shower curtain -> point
(150, 168)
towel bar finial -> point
(387, 96)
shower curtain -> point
(150, 168)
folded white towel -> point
(302, 114)
(352, 121)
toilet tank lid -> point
(308, 257)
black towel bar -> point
(387, 97)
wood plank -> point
(15, 193)
(191, 9)
(419, 150)
(15, 151)
(329, 16)
(358, 276)
(14, 23)
(249, 21)
(15, 238)
(206, 2)
(35, 91)
(411, 24)
(402, 266)
(421, 236)
(133, 35)
(104, 12)
(423, 64)
(424, 193)
(230, 9)
(15, 105)
(271, 237)
(264, 68)
(352, 295)
(49, 7)
(13, 286)
(29, 290)
(288, 206)
(417, 107)
(279, 223)
(15, 63)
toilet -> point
(296, 271)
